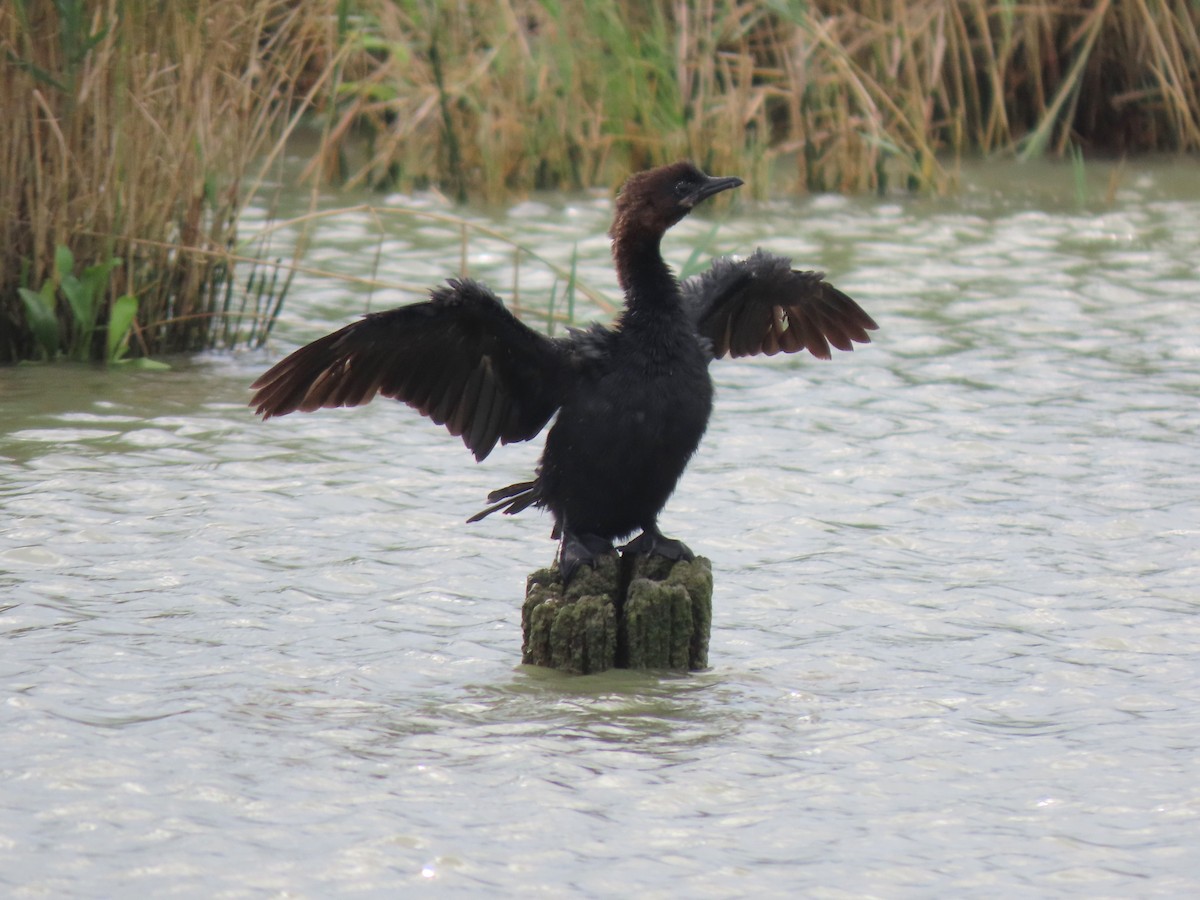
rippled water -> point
(955, 650)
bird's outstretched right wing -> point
(460, 358)
(762, 305)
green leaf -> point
(64, 261)
(95, 277)
(95, 287)
(92, 40)
(144, 363)
(120, 322)
(38, 73)
(79, 301)
(39, 310)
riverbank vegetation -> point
(134, 134)
(138, 131)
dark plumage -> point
(632, 401)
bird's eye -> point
(681, 188)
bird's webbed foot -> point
(652, 542)
(580, 550)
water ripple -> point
(955, 640)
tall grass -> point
(492, 96)
(131, 137)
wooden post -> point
(636, 612)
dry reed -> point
(494, 97)
(131, 135)
(136, 131)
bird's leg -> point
(652, 542)
(578, 550)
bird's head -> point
(650, 202)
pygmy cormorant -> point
(632, 400)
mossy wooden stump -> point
(637, 612)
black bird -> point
(632, 401)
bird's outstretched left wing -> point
(460, 358)
(762, 305)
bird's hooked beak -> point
(714, 185)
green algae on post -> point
(635, 612)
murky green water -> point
(956, 645)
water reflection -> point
(955, 633)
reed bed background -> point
(494, 97)
(133, 136)
(137, 130)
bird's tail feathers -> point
(512, 499)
